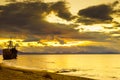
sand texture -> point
(7, 73)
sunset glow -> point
(54, 24)
(59, 39)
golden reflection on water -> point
(69, 61)
(95, 66)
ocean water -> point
(96, 66)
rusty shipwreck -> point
(10, 52)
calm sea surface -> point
(96, 66)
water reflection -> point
(104, 67)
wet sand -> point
(11, 73)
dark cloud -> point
(61, 10)
(31, 38)
(108, 27)
(28, 18)
(115, 3)
(116, 10)
(10, 0)
(116, 24)
(90, 36)
(90, 21)
(115, 32)
(22, 13)
(100, 12)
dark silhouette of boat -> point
(10, 52)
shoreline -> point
(12, 73)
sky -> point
(61, 26)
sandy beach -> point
(9, 73)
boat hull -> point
(9, 54)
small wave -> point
(66, 70)
(117, 67)
(114, 78)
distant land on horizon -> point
(82, 52)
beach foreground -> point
(8, 73)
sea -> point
(95, 66)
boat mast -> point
(10, 44)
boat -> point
(10, 52)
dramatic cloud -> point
(61, 10)
(101, 12)
(98, 14)
(28, 18)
